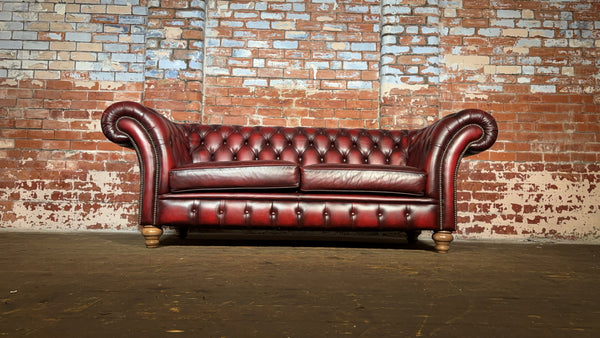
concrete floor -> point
(106, 284)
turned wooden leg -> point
(413, 236)
(151, 234)
(442, 241)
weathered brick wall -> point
(535, 65)
(61, 64)
(291, 63)
(356, 63)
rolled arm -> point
(439, 148)
(160, 145)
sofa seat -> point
(233, 175)
(363, 178)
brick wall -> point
(356, 63)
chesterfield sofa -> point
(222, 176)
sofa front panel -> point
(299, 214)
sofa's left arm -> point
(439, 148)
(159, 143)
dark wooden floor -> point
(109, 285)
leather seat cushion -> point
(363, 178)
(233, 175)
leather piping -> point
(142, 171)
(455, 171)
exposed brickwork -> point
(175, 57)
(356, 63)
(410, 63)
(535, 66)
(61, 64)
(311, 63)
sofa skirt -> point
(298, 211)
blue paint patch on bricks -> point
(190, 14)
(272, 16)
(355, 65)
(317, 65)
(425, 50)
(36, 45)
(131, 19)
(296, 35)
(154, 73)
(357, 9)
(102, 76)
(139, 10)
(176, 23)
(284, 44)
(245, 15)
(129, 77)
(394, 49)
(363, 46)
(79, 37)
(124, 57)
(170, 64)
(135, 38)
(255, 82)
(136, 68)
(106, 38)
(289, 83)
(258, 44)
(125, 2)
(258, 24)
(217, 71)
(394, 10)
(116, 47)
(232, 43)
(244, 34)
(241, 53)
(153, 55)
(197, 44)
(171, 74)
(502, 13)
(243, 72)
(247, 5)
(197, 23)
(195, 64)
(323, 36)
(213, 42)
(389, 70)
(281, 7)
(360, 85)
(348, 56)
(335, 27)
(298, 16)
(323, 55)
(20, 35)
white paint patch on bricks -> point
(466, 62)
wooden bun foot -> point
(152, 234)
(442, 241)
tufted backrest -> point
(301, 145)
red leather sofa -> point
(195, 175)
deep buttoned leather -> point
(395, 179)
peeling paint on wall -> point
(559, 202)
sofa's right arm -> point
(160, 145)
